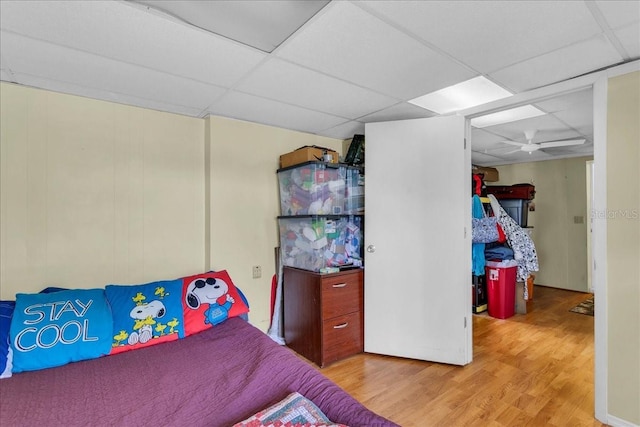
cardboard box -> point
(307, 154)
(522, 306)
(489, 174)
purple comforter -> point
(214, 378)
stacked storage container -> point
(321, 216)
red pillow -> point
(209, 299)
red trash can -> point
(501, 288)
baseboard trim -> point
(619, 422)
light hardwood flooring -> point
(528, 370)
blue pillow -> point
(144, 315)
(51, 289)
(6, 354)
(54, 329)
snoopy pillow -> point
(209, 299)
(145, 315)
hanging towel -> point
(524, 251)
(477, 249)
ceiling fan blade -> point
(563, 143)
(514, 151)
(519, 144)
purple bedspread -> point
(214, 378)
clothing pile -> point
(516, 243)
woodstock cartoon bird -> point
(172, 324)
(139, 298)
(160, 291)
(123, 335)
(160, 327)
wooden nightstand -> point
(324, 314)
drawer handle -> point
(340, 285)
(341, 326)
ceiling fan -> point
(530, 146)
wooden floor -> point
(528, 370)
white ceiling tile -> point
(483, 159)
(481, 141)
(344, 130)
(96, 93)
(584, 149)
(489, 35)
(347, 42)
(582, 98)
(260, 110)
(524, 156)
(575, 109)
(579, 118)
(292, 84)
(629, 37)
(620, 13)
(563, 151)
(36, 58)
(558, 65)
(545, 125)
(130, 34)
(5, 75)
(266, 23)
(400, 111)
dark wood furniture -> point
(324, 314)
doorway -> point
(597, 81)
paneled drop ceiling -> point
(323, 67)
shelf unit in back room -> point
(321, 226)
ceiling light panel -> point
(507, 116)
(260, 24)
(473, 92)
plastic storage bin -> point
(354, 194)
(501, 288)
(517, 209)
(316, 242)
(312, 188)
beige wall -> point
(561, 242)
(623, 246)
(244, 202)
(93, 192)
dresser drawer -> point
(342, 337)
(342, 294)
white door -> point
(418, 256)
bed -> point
(217, 377)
